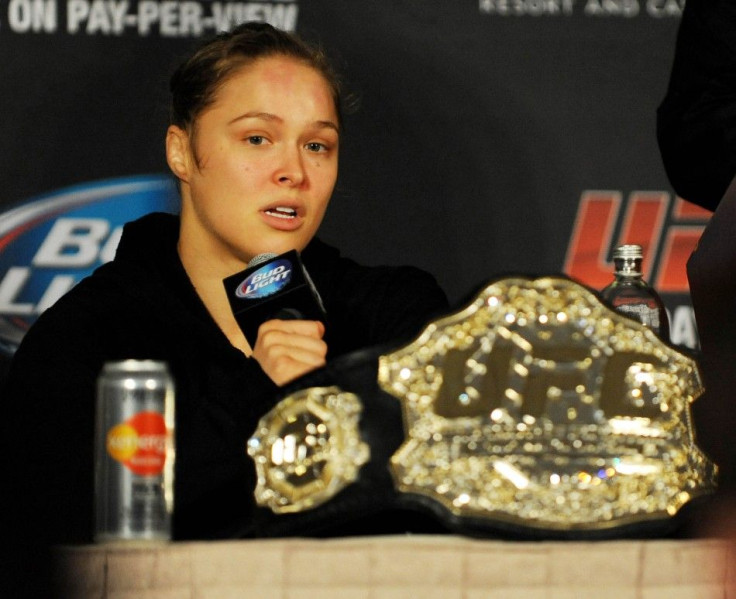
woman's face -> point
(264, 166)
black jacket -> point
(142, 305)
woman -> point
(254, 143)
(259, 156)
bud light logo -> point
(49, 243)
(267, 280)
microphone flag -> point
(276, 288)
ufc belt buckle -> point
(535, 406)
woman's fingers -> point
(287, 349)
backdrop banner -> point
(490, 137)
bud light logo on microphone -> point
(50, 242)
(267, 280)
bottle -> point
(631, 295)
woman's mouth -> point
(282, 212)
(283, 218)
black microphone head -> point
(272, 287)
(293, 314)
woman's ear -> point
(177, 152)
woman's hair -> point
(196, 81)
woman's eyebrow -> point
(267, 116)
(327, 125)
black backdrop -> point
(485, 128)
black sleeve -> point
(381, 305)
(407, 301)
(47, 449)
(370, 305)
(696, 121)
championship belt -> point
(536, 409)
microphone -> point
(272, 287)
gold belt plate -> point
(539, 406)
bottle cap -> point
(630, 251)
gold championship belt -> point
(536, 408)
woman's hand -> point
(287, 349)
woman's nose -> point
(291, 170)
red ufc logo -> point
(667, 234)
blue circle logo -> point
(50, 242)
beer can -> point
(134, 452)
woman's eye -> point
(255, 140)
(316, 147)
